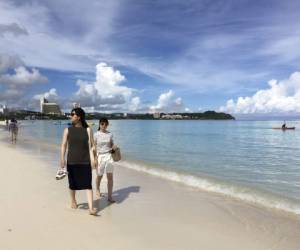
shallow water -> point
(245, 159)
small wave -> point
(242, 193)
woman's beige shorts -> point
(105, 164)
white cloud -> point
(14, 84)
(63, 41)
(135, 104)
(164, 99)
(9, 62)
(281, 97)
(167, 102)
(52, 36)
(77, 44)
(51, 95)
(54, 39)
(106, 91)
(178, 101)
(108, 81)
(22, 77)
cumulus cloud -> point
(16, 79)
(106, 91)
(22, 77)
(51, 94)
(280, 97)
(167, 102)
(9, 62)
(135, 104)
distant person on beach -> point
(13, 129)
(104, 147)
(283, 125)
(6, 123)
(78, 138)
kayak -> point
(287, 128)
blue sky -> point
(147, 56)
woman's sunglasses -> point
(72, 114)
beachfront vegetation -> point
(208, 115)
(33, 115)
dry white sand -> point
(150, 213)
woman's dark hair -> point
(80, 112)
(103, 120)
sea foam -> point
(246, 194)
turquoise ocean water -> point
(247, 160)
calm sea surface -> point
(245, 159)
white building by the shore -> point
(156, 115)
(3, 109)
(49, 108)
(76, 105)
(171, 117)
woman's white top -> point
(104, 142)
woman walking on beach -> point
(78, 138)
(104, 147)
(13, 129)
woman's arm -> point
(95, 145)
(113, 145)
(91, 138)
(63, 148)
(91, 147)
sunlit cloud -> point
(280, 97)
(168, 102)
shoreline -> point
(150, 213)
(255, 197)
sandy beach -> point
(150, 213)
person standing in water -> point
(104, 146)
(283, 125)
(13, 129)
(78, 138)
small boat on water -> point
(286, 128)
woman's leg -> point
(16, 135)
(12, 136)
(89, 194)
(98, 182)
(73, 198)
(110, 183)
